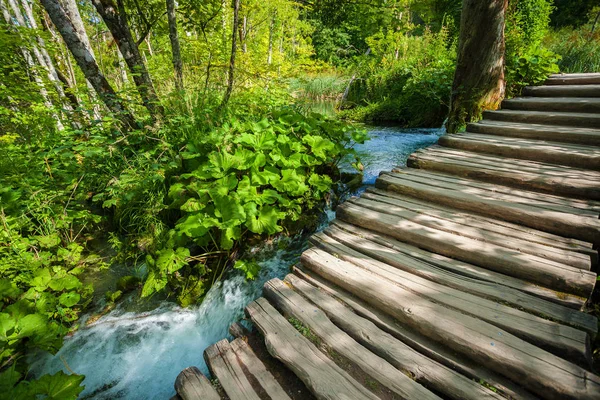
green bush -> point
(244, 179)
(531, 68)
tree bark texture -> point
(174, 38)
(32, 66)
(479, 78)
(70, 8)
(116, 21)
(86, 61)
(236, 11)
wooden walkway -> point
(464, 276)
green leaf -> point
(41, 279)
(320, 182)
(291, 183)
(9, 289)
(229, 209)
(170, 260)
(7, 324)
(31, 324)
(67, 282)
(263, 220)
(250, 268)
(69, 299)
(155, 282)
(59, 386)
(320, 146)
(266, 176)
(48, 241)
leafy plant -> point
(532, 68)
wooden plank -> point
(563, 91)
(499, 226)
(436, 274)
(321, 376)
(573, 79)
(463, 269)
(566, 186)
(514, 164)
(238, 330)
(191, 384)
(469, 228)
(223, 364)
(565, 341)
(583, 119)
(556, 153)
(496, 258)
(567, 104)
(540, 371)
(560, 223)
(258, 370)
(553, 133)
(550, 202)
(429, 373)
(292, 304)
(423, 345)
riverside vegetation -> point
(179, 134)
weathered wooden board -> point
(568, 90)
(191, 384)
(223, 364)
(553, 133)
(321, 375)
(545, 201)
(556, 153)
(560, 104)
(524, 266)
(482, 232)
(582, 119)
(292, 304)
(498, 226)
(465, 284)
(258, 370)
(561, 223)
(492, 173)
(540, 371)
(461, 269)
(423, 370)
(423, 345)
(568, 342)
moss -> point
(305, 331)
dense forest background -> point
(173, 135)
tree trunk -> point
(122, 69)
(479, 78)
(244, 33)
(32, 68)
(271, 29)
(70, 7)
(236, 9)
(87, 62)
(174, 37)
(116, 21)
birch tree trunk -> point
(86, 61)
(174, 38)
(32, 67)
(479, 78)
(70, 7)
(116, 21)
(271, 29)
(122, 69)
(234, 30)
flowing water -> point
(135, 354)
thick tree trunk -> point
(87, 62)
(116, 21)
(479, 78)
(236, 10)
(174, 37)
(70, 7)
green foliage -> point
(412, 90)
(579, 48)
(534, 67)
(243, 179)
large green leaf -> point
(320, 146)
(59, 386)
(320, 182)
(170, 260)
(265, 176)
(67, 282)
(229, 209)
(264, 219)
(7, 324)
(155, 282)
(69, 299)
(9, 289)
(291, 183)
(250, 268)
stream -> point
(137, 352)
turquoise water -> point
(137, 355)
